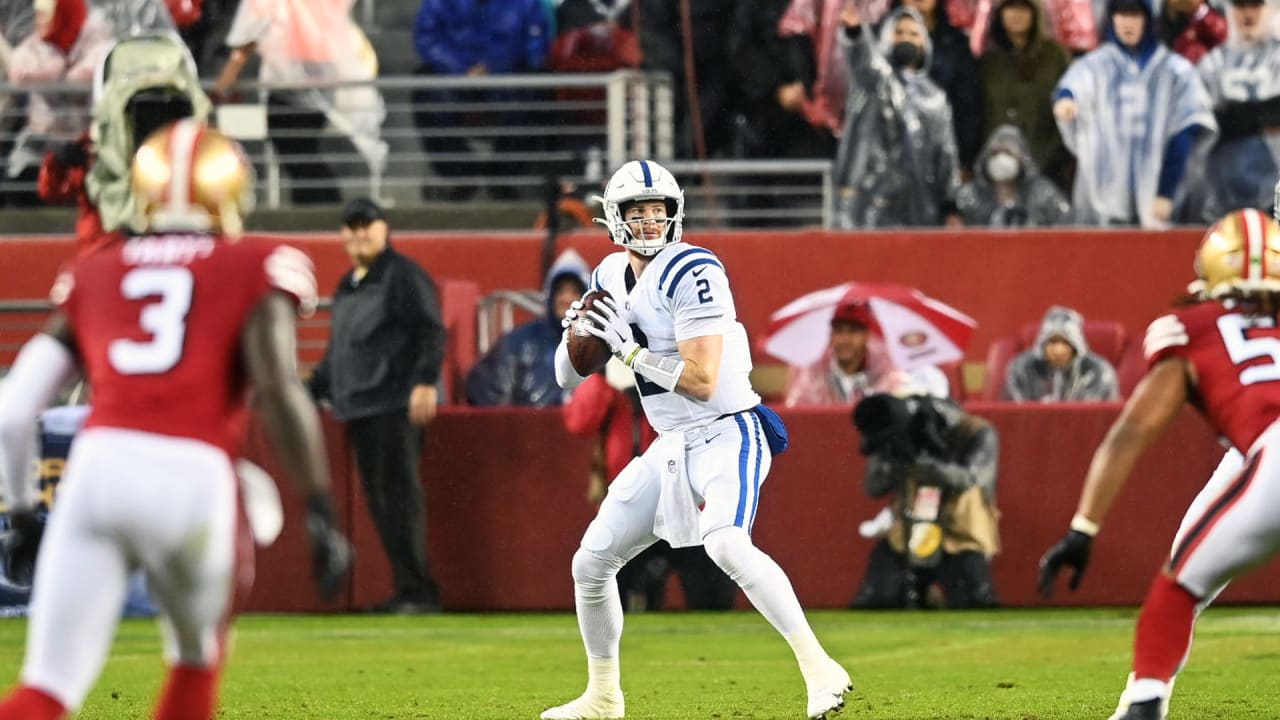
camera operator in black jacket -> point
(939, 464)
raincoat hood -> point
(1006, 138)
(568, 264)
(1149, 42)
(1065, 323)
(885, 41)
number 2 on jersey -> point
(1242, 348)
(165, 318)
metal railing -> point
(413, 138)
(496, 314)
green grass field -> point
(1008, 664)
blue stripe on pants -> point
(740, 516)
(755, 485)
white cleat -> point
(1122, 709)
(591, 706)
(827, 690)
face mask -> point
(904, 55)
(1002, 167)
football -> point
(588, 353)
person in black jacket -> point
(380, 374)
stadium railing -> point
(574, 127)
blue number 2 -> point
(704, 291)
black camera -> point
(900, 428)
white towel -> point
(676, 520)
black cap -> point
(361, 212)
(1246, 2)
(1129, 6)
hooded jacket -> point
(1142, 113)
(1089, 377)
(1243, 80)
(1016, 83)
(1039, 203)
(897, 162)
(520, 369)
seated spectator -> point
(475, 38)
(1060, 367)
(1019, 70)
(520, 369)
(938, 465)
(896, 165)
(68, 44)
(1191, 28)
(1132, 113)
(1243, 79)
(1007, 189)
(606, 407)
(953, 68)
(855, 365)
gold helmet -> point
(1239, 254)
(190, 177)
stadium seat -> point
(1105, 337)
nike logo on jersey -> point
(697, 272)
(713, 437)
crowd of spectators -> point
(1140, 115)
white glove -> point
(609, 325)
(570, 317)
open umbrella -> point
(916, 329)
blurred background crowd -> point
(998, 113)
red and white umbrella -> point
(916, 329)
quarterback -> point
(1221, 354)
(670, 317)
(170, 328)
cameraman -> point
(939, 464)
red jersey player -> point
(170, 328)
(1222, 355)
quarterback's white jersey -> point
(682, 294)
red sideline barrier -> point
(1003, 279)
(506, 510)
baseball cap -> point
(361, 212)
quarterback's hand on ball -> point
(1071, 551)
(331, 554)
(572, 314)
(609, 325)
(19, 546)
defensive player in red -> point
(170, 328)
(1221, 354)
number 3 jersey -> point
(1236, 361)
(682, 294)
(158, 322)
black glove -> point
(331, 554)
(1071, 551)
(71, 155)
(19, 546)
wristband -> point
(1082, 524)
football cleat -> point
(1153, 709)
(827, 690)
(590, 706)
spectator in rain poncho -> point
(1243, 79)
(897, 164)
(1060, 367)
(1008, 189)
(856, 364)
(68, 43)
(822, 101)
(520, 368)
(303, 42)
(1133, 113)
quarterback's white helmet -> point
(636, 181)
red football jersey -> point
(1236, 357)
(158, 321)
